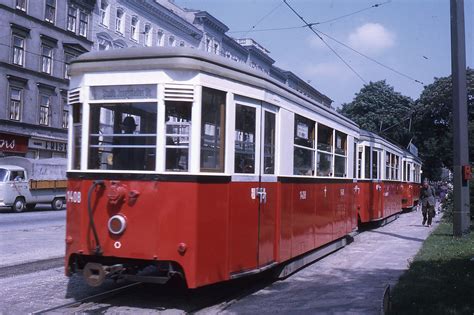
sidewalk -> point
(350, 281)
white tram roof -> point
(180, 58)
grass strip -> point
(440, 280)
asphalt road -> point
(31, 235)
(349, 281)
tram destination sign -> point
(119, 92)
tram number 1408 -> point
(73, 196)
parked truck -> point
(26, 182)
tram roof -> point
(366, 135)
(187, 58)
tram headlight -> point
(117, 224)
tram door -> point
(268, 187)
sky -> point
(410, 36)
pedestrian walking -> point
(428, 202)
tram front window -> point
(122, 136)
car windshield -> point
(3, 175)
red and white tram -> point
(183, 163)
(411, 180)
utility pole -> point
(461, 224)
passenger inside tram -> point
(124, 156)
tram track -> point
(31, 267)
(87, 302)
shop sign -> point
(47, 145)
(126, 92)
(13, 143)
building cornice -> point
(232, 43)
(32, 72)
(210, 21)
(166, 15)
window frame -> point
(44, 109)
(71, 19)
(19, 105)
(83, 28)
(119, 21)
(134, 29)
(48, 5)
(311, 148)
(21, 49)
(46, 64)
(21, 5)
(104, 13)
(147, 35)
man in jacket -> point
(428, 202)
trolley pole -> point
(461, 222)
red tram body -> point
(223, 188)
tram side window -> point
(123, 136)
(408, 179)
(340, 157)
(77, 135)
(303, 151)
(375, 164)
(213, 130)
(367, 163)
(325, 152)
(178, 126)
(387, 165)
(359, 161)
(269, 143)
(245, 118)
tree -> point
(433, 124)
(378, 108)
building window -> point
(65, 116)
(71, 19)
(303, 151)
(119, 21)
(18, 50)
(208, 44)
(21, 5)
(45, 102)
(147, 35)
(83, 23)
(50, 11)
(216, 48)
(46, 59)
(181, 44)
(15, 104)
(171, 41)
(160, 38)
(134, 29)
(103, 44)
(104, 13)
(67, 62)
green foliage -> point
(440, 279)
(378, 108)
(433, 124)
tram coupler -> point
(95, 273)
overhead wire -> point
(252, 29)
(263, 18)
(322, 39)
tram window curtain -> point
(213, 130)
(245, 118)
(122, 136)
(303, 153)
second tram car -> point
(192, 165)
